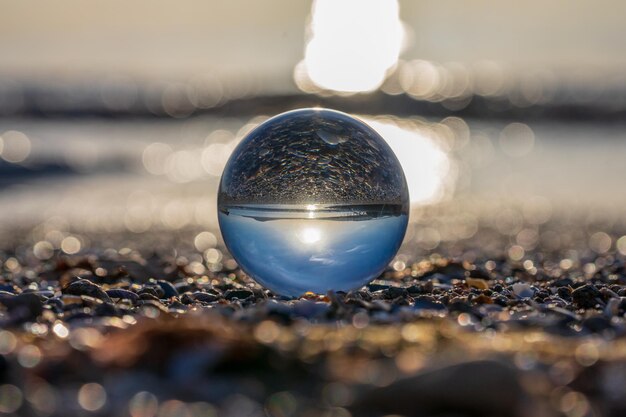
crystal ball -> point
(313, 200)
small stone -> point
(27, 306)
(176, 307)
(377, 287)
(204, 297)
(85, 287)
(426, 303)
(437, 277)
(240, 294)
(158, 291)
(395, 292)
(309, 309)
(106, 310)
(71, 299)
(564, 292)
(123, 294)
(182, 287)
(587, 296)
(483, 299)
(501, 301)
(479, 283)
(445, 391)
(523, 290)
(563, 282)
(9, 288)
(479, 273)
(148, 290)
(147, 296)
(169, 290)
(597, 324)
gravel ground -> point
(165, 324)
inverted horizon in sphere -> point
(313, 200)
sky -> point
(155, 39)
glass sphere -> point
(313, 200)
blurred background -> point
(117, 118)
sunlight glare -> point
(426, 165)
(353, 44)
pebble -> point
(395, 292)
(446, 391)
(587, 296)
(523, 290)
(426, 303)
(85, 287)
(26, 306)
(479, 283)
(240, 294)
(204, 297)
(122, 294)
(169, 290)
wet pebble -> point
(85, 287)
(240, 294)
(122, 294)
(22, 307)
(204, 297)
(169, 290)
(587, 296)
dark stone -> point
(479, 273)
(587, 296)
(85, 287)
(597, 324)
(22, 307)
(377, 287)
(395, 292)
(149, 297)
(169, 290)
(186, 299)
(156, 288)
(123, 294)
(460, 307)
(106, 310)
(153, 303)
(240, 294)
(414, 289)
(426, 303)
(9, 288)
(563, 282)
(452, 270)
(177, 305)
(309, 309)
(494, 391)
(182, 287)
(564, 292)
(56, 304)
(204, 297)
(44, 293)
(359, 295)
(148, 290)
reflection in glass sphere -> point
(313, 200)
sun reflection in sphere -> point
(310, 235)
